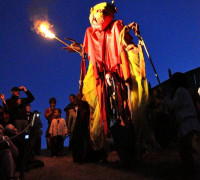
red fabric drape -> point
(104, 52)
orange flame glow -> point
(43, 28)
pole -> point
(134, 26)
(143, 44)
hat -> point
(15, 89)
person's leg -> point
(54, 146)
(60, 145)
(38, 145)
(8, 163)
(196, 143)
(185, 150)
(56, 140)
(48, 140)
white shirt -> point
(58, 127)
(185, 111)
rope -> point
(32, 121)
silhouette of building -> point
(193, 77)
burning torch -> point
(43, 28)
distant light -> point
(199, 91)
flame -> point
(43, 28)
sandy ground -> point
(162, 165)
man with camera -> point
(16, 107)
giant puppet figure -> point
(115, 84)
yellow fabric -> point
(138, 91)
(139, 87)
(139, 99)
(90, 95)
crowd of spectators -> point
(59, 127)
(173, 118)
(20, 134)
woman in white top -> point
(186, 117)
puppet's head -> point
(101, 15)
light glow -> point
(43, 28)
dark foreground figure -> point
(80, 145)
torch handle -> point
(67, 45)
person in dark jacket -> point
(16, 107)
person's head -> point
(78, 97)
(28, 108)
(72, 98)
(57, 113)
(10, 130)
(101, 15)
(109, 79)
(198, 91)
(52, 102)
(179, 80)
(15, 91)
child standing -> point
(58, 130)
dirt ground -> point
(162, 165)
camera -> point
(26, 136)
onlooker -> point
(4, 116)
(29, 114)
(198, 108)
(22, 145)
(186, 116)
(25, 161)
(35, 133)
(79, 139)
(49, 115)
(161, 122)
(70, 114)
(58, 131)
(17, 107)
(7, 152)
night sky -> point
(170, 30)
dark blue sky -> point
(170, 30)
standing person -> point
(16, 107)
(36, 133)
(57, 131)
(4, 116)
(8, 151)
(70, 113)
(29, 114)
(49, 115)
(186, 117)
